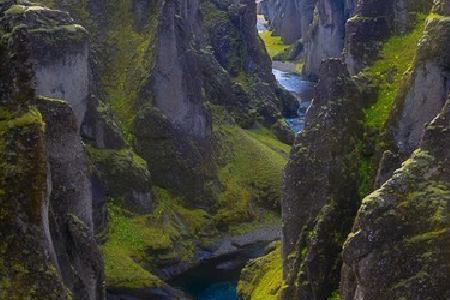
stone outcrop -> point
(175, 91)
(421, 96)
(372, 23)
(289, 19)
(70, 203)
(325, 37)
(399, 245)
(320, 194)
(48, 244)
(60, 53)
(426, 88)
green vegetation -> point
(133, 240)
(390, 72)
(128, 238)
(32, 116)
(268, 138)
(396, 58)
(251, 175)
(131, 61)
(262, 278)
(121, 171)
(15, 9)
(335, 296)
(274, 44)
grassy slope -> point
(165, 234)
(253, 164)
(274, 44)
(396, 58)
(262, 279)
(130, 61)
(251, 173)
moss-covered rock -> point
(320, 188)
(262, 278)
(399, 243)
(124, 175)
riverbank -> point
(219, 270)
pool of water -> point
(217, 279)
(302, 90)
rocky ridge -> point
(388, 114)
(121, 110)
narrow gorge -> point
(225, 149)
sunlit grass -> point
(274, 44)
(396, 58)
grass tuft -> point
(274, 44)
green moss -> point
(121, 159)
(274, 44)
(335, 296)
(128, 238)
(135, 241)
(251, 174)
(15, 9)
(24, 273)
(262, 279)
(131, 61)
(396, 57)
(32, 116)
(121, 171)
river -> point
(217, 279)
(299, 87)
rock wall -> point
(372, 23)
(289, 19)
(45, 169)
(320, 194)
(176, 92)
(325, 38)
(427, 86)
(404, 224)
(394, 249)
(421, 96)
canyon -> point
(205, 149)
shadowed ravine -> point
(217, 279)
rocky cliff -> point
(320, 187)
(319, 26)
(403, 224)
(130, 126)
(391, 251)
(48, 244)
(408, 200)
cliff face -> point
(289, 19)
(325, 38)
(403, 224)
(426, 88)
(320, 187)
(121, 114)
(372, 23)
(48, 247)
(394, 249)
(318, 25)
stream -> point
(216, 279)
(299, 87)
